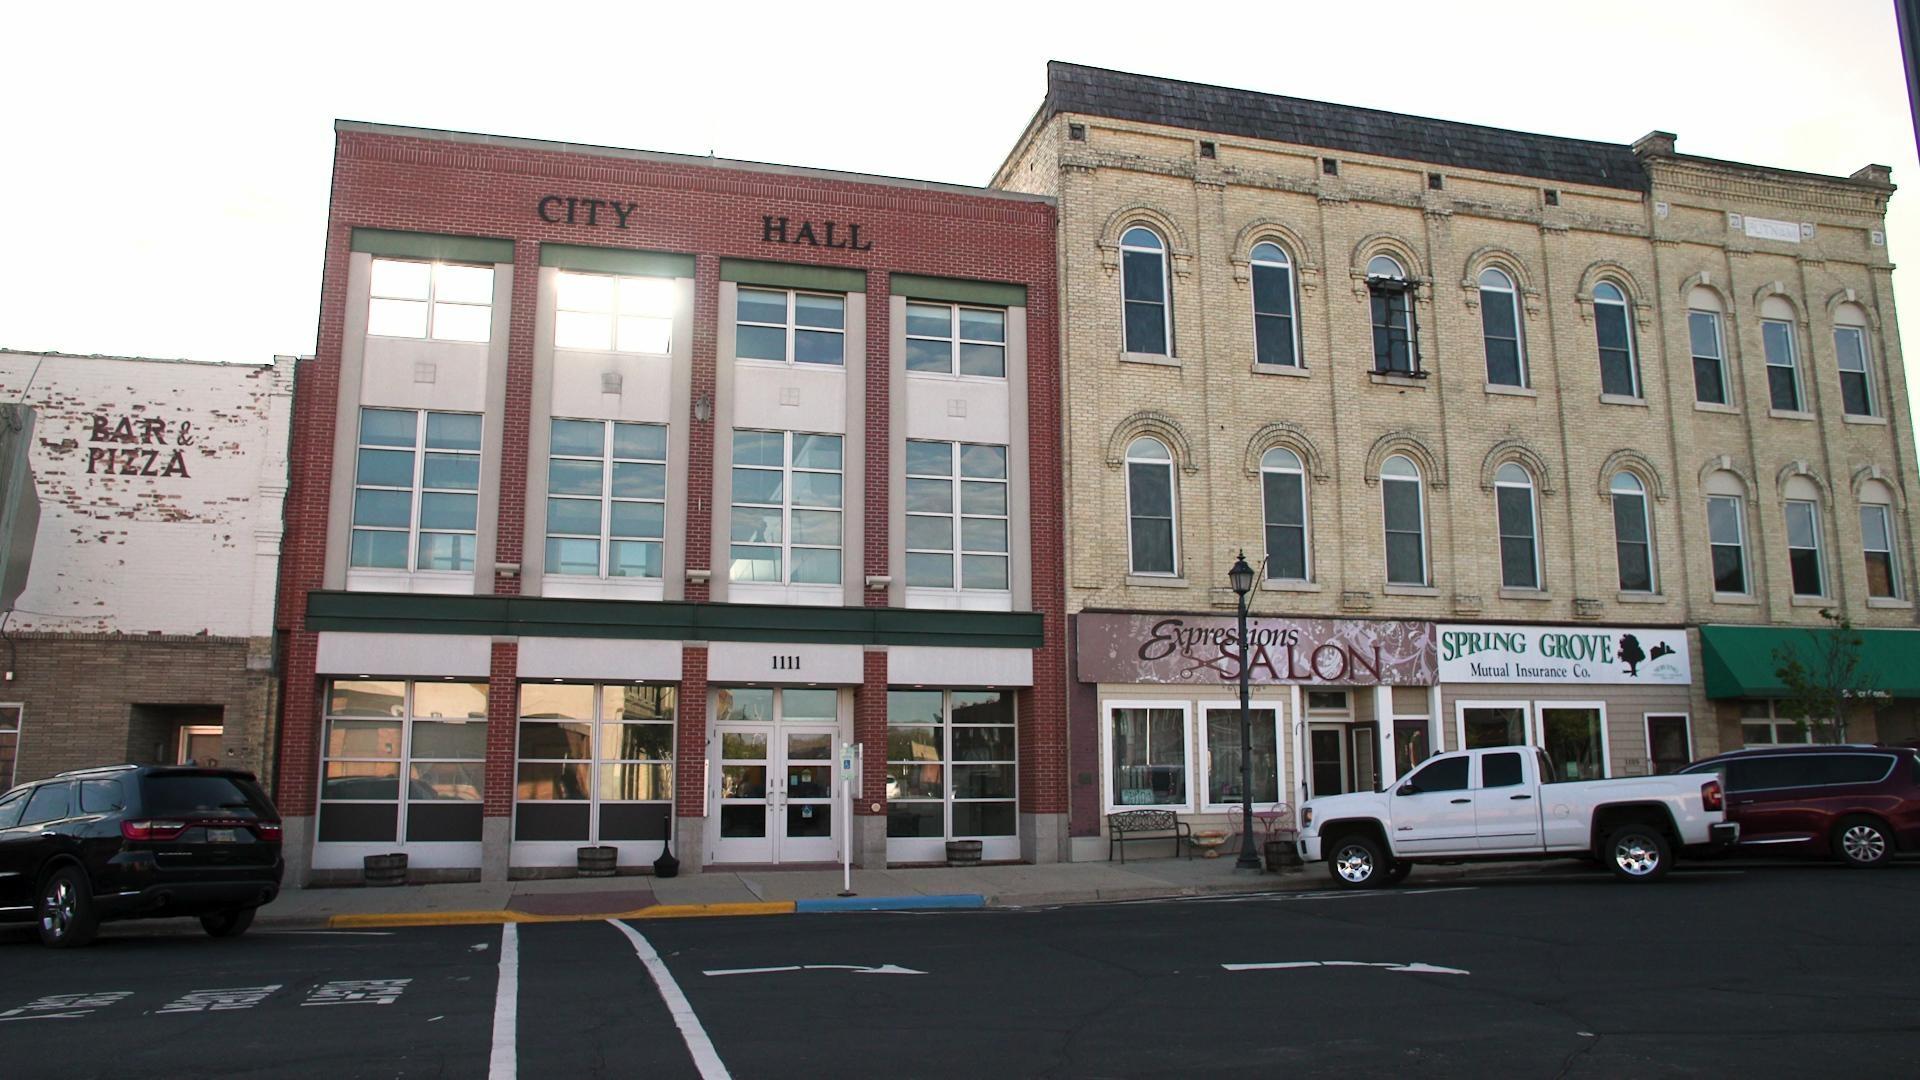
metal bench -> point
(1129, 825)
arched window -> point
(1150, 517)
(1402, 506)
(1500, 326)
(1853, 359)
(1783, 355)
(1876, 540)
(1275, 335)
(1632, 536)
(1393, 351)
(1727, 533)
(1619, 368)
(1143, 273)
(1805, 564)
(1283, 487)
(1519, 528)
(1709, 351)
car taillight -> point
(152, 830)
(267, 830)
(1710, 796)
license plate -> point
(223, 836)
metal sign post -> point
(849, 773)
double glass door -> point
(774, 776)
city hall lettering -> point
(143, 446)
(779, 230)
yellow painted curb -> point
(494, 918)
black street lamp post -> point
(1242, 577)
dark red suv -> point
(1858, 804)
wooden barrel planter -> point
(963, 853)
(1282, 855)
(598, 861)
(384, 869)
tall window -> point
(1727, 533)
(951, 764)
(1632, 537)
(1150, 516)
(1850, 349)
(1619, 368)
(1783, 368)
(1876, 539)
(9, 743)
(1709, 353)
(1519, 531)
(1500, 327)
(790, 327)
(963, 485)
(1402, 504)
(414, 510)
(949, 338)
(1143, 273)
(1391, 293)
(786, 507)
(1223, 762)
(613, 313)
(404, 761)
(1283, 489)
(1803, 548)
(595, 763)
(1147, 746)
(1275, 338)
(606, 499)
(441, 301)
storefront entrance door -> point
(775, 797)
(1327, 750)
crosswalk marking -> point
(357, 992)
(64, 1006)
(233, 997)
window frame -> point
(1160, 254)
(791, 327)
(787, 507)
(616, 313)
(1865, 374)
(1774, 723)
(1718, 358)
(1297, 469)
(1791, 366)
(949, 785)
(596, 759)
(1110, 764)
(1740, 544)
(1640, 492)
(607, 500)
(1419, 483)
(417, 491)
(1820, 562)
(432, 299)
(404, 759)
(955, 340)
(957, 516)
(1891, 551)
(1393, 288)
(1621, 305)
(1533, 524)
(1173, 504)
(1256, 262)
(1508, 294)
(1207, 709)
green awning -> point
(1739, 661)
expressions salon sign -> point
(1564, 654)
(1205, 650)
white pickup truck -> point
(1489, 804)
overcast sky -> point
(164, 167)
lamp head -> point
(1241, 575)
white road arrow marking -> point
(1417, 968)
(883, 969)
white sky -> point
(164, 167)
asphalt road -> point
(1781, 970)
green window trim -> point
(412, 245)
(616, 261)
(957, 291)
(789, 276)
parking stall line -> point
(705, 1057)
(504, 1063)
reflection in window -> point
(442, 301)
(613, 313)
(1224, 760)
(951, 764)
(1148, 749)
(949, 338)
(404, 761)
(415, 510)
(972, 555)
(606, 498)
(786, 523)
(790, 327)
(594, 762)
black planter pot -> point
(666, 865)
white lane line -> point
(1416, 967)
(504, 1064)
(705, 1057)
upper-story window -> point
(1619, 367)
(1853, 361)
(1632, 535)
(1283, 489)
(1807, 568)
(606, 499)
(1150, 508)
(1403, 506)
(957, 520)
(1709, 351)
(1519, 527)
(786, 507)
(790, 327)
(1727, 533)
(1500, 327)
(1392, 293)
(1876, 541)
(1143, 273)
(415, 510)
(441, 301)
(1783, 359)
(951, 338)
(1276, 337)
(613, 313)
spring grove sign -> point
(1564, 654)
(1205, 649)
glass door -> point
(1669, 743)
(1327, 749)
(773, 768)
(806, 808)
(1365, 741)
(743, 805)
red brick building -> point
(628, 488)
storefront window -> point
(595, 762)
(1148, 748)
(1493, 725)
(1223, 755)
(951, 764)
(434, 734)
(1762, 725)
(1573, 741)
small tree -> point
(1823, 678)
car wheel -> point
(1862, 843)
(1398, 872)
(1637, 853)
(229, 923)
(1357, 862)
(64, 911)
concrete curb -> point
(507, 915)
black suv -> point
(137, 841)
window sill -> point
(1811, 601)
(1849, 418)
(1714, 406)
(1377, 379)
(1285, 585)
(1279, 369)
(1641, 598)
(1540, 595)
(1888, 602)
(1511, 391)
(1789, 414)
(1742, 599)
(1155, 359)
(789, 365)
(1157, 581)
(1622, 399)
(926, 599)
(1410, 590)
